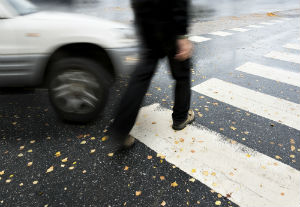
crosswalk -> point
(251, 178)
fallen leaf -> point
(57, 154)
(35, 182)
(200, 115)
(149, 157)
(32, 141)
(126, 168)
(205, 173)
(163, 203)
(219, 195)
(278, 157)
(29, 164)
(22, 147)
(104, 138)
(2, 172)
(192, 179)
(192, 151)
(93, 138)
(248, 155)
(84, 171)
(83, 142)
(50, 169)
(110, 154)
(282, 194)
(293, 148)
(213, 174)
(138, 193)
(92, 151)
(233, 128)
(193, 170)
(21, 184)
(153, 122)
(162, 177)
(174, 184)
(20, 155)
(8, 181)
(228, 195)
(65, 160)
(71, 168)
(181, 140)
(270, 14)
(218, 203)
(29, 150)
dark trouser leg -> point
(181, 73)
(133, 97)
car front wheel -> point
(78, 88)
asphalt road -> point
(246, 132)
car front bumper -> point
(124, 59)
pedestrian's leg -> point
(181, 73)
(133, 97)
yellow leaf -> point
(21, 184)
(8, 181)
(218, 203)
(181, 140)
(278, 157)
(50, 169)
(126, 168)
(83, 142)
(65, 160)
(20, 155)
(92, 151)
(163, 203)
(84, 171)
(205, 173)
(149, 157)
(2, 172)
(35, 182)
(200, 115)
(29, 150)
(193, 170)
(93, 138)
(104, 138)
(192, 179)
(174, 184)
(219, 195)
(138, 193)
(248, 155)
(32, 141)
(110, 154)
(214, 184)
(29, 164)
(71, 168)
(57, 154)
(162, 177)
(270, 14)
(292, 156)
(293, 148)
(233, 128)
(213, 174)
(22, 147)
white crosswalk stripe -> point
(264, 105)
(221, 33)
(292, 46)
(272, 73)
(289, 57)
(198, 39)
(251, 178)
(239, 29)
(267, 23)
(255, 26)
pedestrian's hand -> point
(185, 49)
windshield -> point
(23, 7)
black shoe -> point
(129, 142)
(190, 118)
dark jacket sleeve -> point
(181, 16)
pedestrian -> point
(162, 26)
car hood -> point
(79, 19)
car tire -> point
(78, 88)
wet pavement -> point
(46, 162)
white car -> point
(76, 56)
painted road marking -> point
(239, 29)
(198, 39)
(277, 21)
(272, 73)
(289, 57)
(270, 107)
(267, 23)
(249, 177)
(221, 33)
(292, 46)
(255, 26)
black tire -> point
(78, 88)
